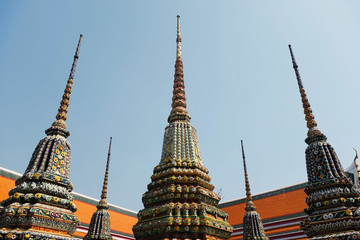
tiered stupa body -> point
(252, 225)
(40, 206)
(180, 203)
(333, 200)
(99, 228)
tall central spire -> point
(252, 225)
(178, 105)
(333, 201)
(178, 40)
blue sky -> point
(238, 76)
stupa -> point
(180, 202)
(40, 206)
(333, 200)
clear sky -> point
(238, 76)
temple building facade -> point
(179, 202)
(282, 222)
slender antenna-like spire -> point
(295, 66)
(178, 105)
(178, 39)
(64, 104)
(103, 202)
(99, 227)
(249, 204)
(309, 117)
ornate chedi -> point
(180, 203)
(333, 201)
(40, 205)
(252, 226)
(100, 221)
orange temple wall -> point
(281, 221)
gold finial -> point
(64, 104)
(103, 202)
(356, 157)
(249, 204)
(356, 168)
(178, 105)
(309, 117)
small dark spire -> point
(295, 66)
(103, 203)
(178, 105)
(76, 56)
(309, 117)
(99, 228)
(249, 204)
(253, 227)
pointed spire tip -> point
(103, 202)
(178, 38)
(309, 117)
(295, 66)
(61, 116)
(249, 204)
(178, 105)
